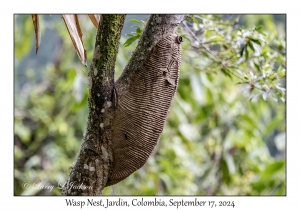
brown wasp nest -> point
(142, 109)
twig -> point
(215, 57)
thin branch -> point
(216, 57)
(211, 53)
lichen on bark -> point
(94, 162)
(95, 157)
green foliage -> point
(255, 56)
(215, 141)
(50, 117)
(23, 36)
(138, 32)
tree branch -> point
(94, 162)
(217, 59)
(144, 95)
(90, 173)
(158, 27)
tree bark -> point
(91, 171)
(158, 26)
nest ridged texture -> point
(142, 110)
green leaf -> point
(225, 46)
(242, 83)
(257, 41)
(129, 35)
(257, 67)
(139, 31)
(272, 125)
(282, 74)
(226, 72)
(249, 120)
(251, 46)
(267, 67)
(194, 19)
(216, 38)
(259, 28)
(207, 34)
(205, 54)
(225, 172)
(23, 132)
(279, 68)
(134, 21)
(242, 50)
(188, 19)
(130, 40)
(246, 52)
(273, 168)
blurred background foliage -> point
(219, 138)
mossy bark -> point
(90, 172)
(94, 162)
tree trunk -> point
(94, 163)
(90, 172)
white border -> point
(154, 6)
